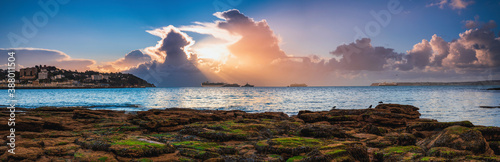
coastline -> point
(389, 132)
(29, 87)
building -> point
(43, 74)
(55, 77)
(97, 77)
(28, 73)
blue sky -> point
(106, 30)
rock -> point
(88, 155)
(490, 133)
(460, 138)
(403, 111)
(23, 153)
(322, 131)
(436, 126)
(372, 129)
(446, 152)
(358, 152)
(402, 139)
(400, 153)
(94, 144)
(288, 145)
(136, 148)
(61, 150)
(495, 146)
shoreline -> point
(389, 132)
(71, 87)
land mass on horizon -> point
(51, 77)
(478, 83)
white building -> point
(43, 74)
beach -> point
(387, 132)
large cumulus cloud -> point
(173, 65)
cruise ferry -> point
(219, 84)
(208, 84)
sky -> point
(267, 43)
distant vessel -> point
(219, 84)
(231, 85)
(298, 85)
(247, 85)
(208, 84)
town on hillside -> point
(53, 77)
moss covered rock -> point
(400, 153)
(460, 138)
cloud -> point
(476, 49)
(130, 60)
(258, 44)
(469, 24)
(453, 4)
(173, 65)
(245, 50)
(361, 55)
(28, 57)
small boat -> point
(247, 85)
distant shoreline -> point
(473, 83)
(69, 87)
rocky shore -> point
(388, 132)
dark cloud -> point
(176, 69)
(361, 55)
(28, 57)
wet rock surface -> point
(388, 132)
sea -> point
(444, 103)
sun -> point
(217, 52)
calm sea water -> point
(444, 103)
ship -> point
(231, 85)
(247, 85)
(208, 84)
(219, 84)
(298, 85)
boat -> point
(247, 85)
(219, 84)
(298, 85)
(209, 84)
(231, 85)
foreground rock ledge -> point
(389, 132)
